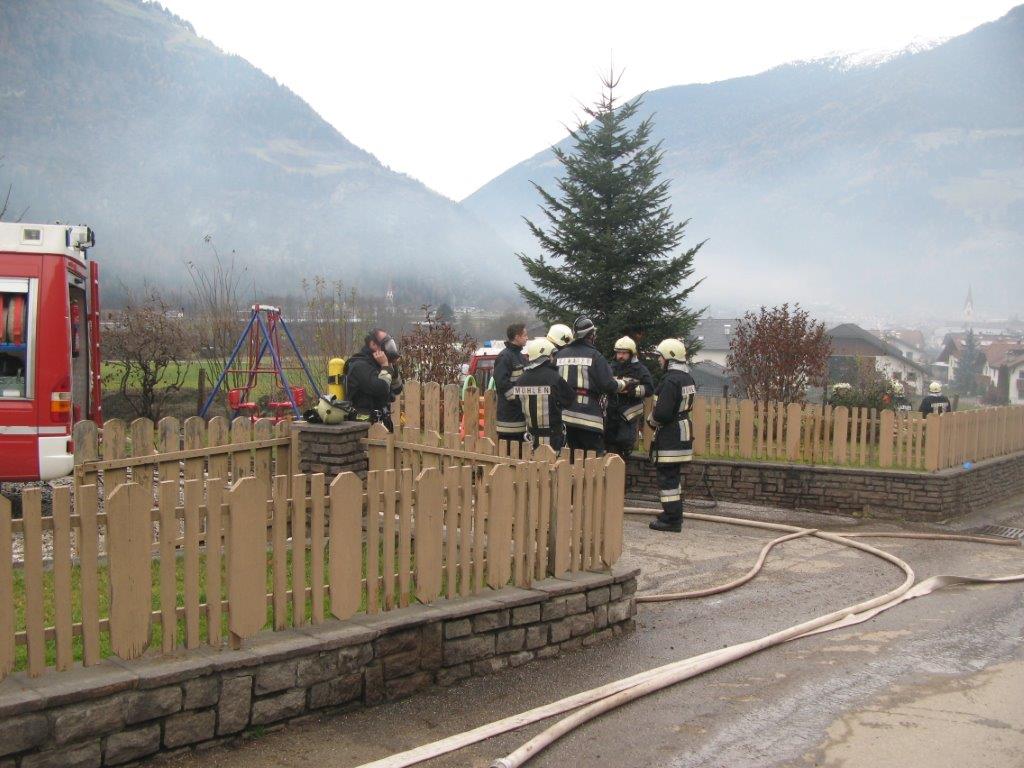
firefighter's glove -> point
(622, 385)
(510, 396)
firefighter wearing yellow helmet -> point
(625, 409)
(543, 395)
(673, 438)
(935, 401)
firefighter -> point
(935, 401)
(372, 380)
(900, 402)
(588, 373)
(543, 395)
(622, 419)
(511, 424)
(673, 440)
(559, 335)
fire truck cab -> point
(49, 346)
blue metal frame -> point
(279, 368)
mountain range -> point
(882, 189)
(116, 114)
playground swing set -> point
(261, 335)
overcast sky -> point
(455, 92)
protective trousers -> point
(670, 491)
(584, 440)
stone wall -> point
(121, 712)
(332, 448)
(879, 493)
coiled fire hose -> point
(587, 705)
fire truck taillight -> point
(60, 402)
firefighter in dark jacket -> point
(625, 409)
(588, 373)
(544, 395)
(511, 423)
(935, 401)
(673, 440)
(372, 380)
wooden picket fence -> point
(163, 556)
(817, 434)
(744, 429)
(145, 452)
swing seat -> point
(235, 403)
(280, 407)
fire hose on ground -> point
(587, 705)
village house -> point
(907, 340)
(713, 335)
(852, 341)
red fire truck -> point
(49, 346)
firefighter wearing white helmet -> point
(935, 401)
(543, 395)
(559, 335)
(588, 373)
(673, 438)
(625, 409)
(899, 396)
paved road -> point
(935, 682)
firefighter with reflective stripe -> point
(935, 401)
(507, 369)
(588, 373)
(544, 395)
(622, 419)
(673, 440)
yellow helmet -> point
(625, 344)
(935, 388)
(672, 349)
(538, 348)
(559, 335)
(897, 387)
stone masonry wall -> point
(332, 448)
(886, 494)
(118, 713)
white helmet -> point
(625, 344)
(559, 335)
(672, 349)
(935, 388)
(539, 348)
(897, 387)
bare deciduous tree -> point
(218, 311)
(5, 203)
(149, 351)
(433, 351)
(778, 353)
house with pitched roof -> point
(852, 341)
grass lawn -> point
(110, 371)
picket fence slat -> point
(87, 506)
(317, 542)
(168, 534)
(193, 498)
(214, 527)
(298, 520)
(6, 589)
(346, 544)
(129, 536)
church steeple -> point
(969, 307)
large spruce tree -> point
(610, 243)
